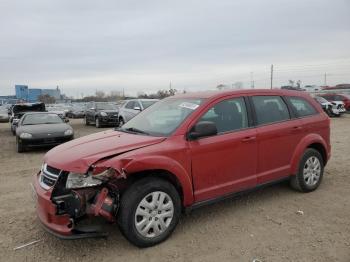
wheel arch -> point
(311, 141)
(160, 174)
(161, 167)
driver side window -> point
(228, 115)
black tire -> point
(19, 146)
(329, 112)
(121, 122)
(97, 122)
(86, 122)
(130, 201)
(298, 181)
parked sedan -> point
(57, 110)
(18, 110)
(101, 114)
(132, 107)
(77, 111)
(42, 129)
(329, 108)
(338, 98)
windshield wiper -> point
(135, 130)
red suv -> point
(181, 153)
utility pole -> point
(325, 79)
(251, 80)
(271, 75)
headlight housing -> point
(75, 180)
(68, 132)
(103, 113)
(94, 178)
(25, 135)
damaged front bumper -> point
(63, 212)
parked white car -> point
(330, 108)
(132, 107)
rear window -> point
(270, 109)
(301, 107)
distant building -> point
(32, 94)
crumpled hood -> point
(79, 154)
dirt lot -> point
(262, 225)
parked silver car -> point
(132, 107)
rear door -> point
(226, 162)
(277, 136)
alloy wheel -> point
(154, 214)
(312, 171)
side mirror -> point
(66, 120)
(137, 108)
(15, 121)
(202, 129)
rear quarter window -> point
(301, 106)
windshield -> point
(38, 119)
(105, 106)
(147, 103)
(162, 118)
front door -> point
(226, 162)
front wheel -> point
(97, 122)
(149, 211)
(121, 122)
(310, 171)
(19, 146)
(86, 121)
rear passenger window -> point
(130, 105)
(302, 107)
(270, 109)
(228, 115)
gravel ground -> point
(262, 225)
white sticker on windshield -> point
(189, 105)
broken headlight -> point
(94, 178)
(75, 180)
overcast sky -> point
(83, 46)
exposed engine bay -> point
(86, 202)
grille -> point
(49, 176)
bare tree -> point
(47, 99)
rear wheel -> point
(310, 171)
(19, 146)
(149, 211)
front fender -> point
(129, 166)
(301, 147)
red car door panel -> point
(276, 145)
(224, 163)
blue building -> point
(32, 94)
(21, 92)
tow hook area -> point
(82, 204)
(105, 205)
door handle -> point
(297, 128)
(248, 139)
